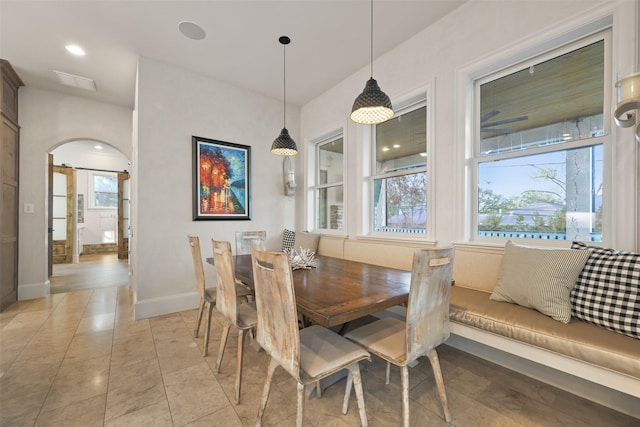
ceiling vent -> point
(75, 81)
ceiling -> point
(330, 41)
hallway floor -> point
(79, 359)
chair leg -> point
(265, 391)
(357, 381)
(318, 389)
(354, 374)
(388, 373)
(300, 413)
(199, 318)
(223, 345)
(404, 371)
(442, 392)
(207, 333)
(241, 335)
(347, 393)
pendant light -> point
(372, 105)
(284, 145)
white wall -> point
(441, 53)
(172, 105)
(48, 119)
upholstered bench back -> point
(477, 267)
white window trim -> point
(548, 39)
(605, 140)
(92, 192)
(416, 99)
(313, 186)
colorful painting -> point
(221, 181)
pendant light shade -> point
(284, 145)
(372, 105)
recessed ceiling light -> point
(75, 49)
(396, 145)
(385, 149)
(98, 147)
(424, 154)
(191, 30)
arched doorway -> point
(88, 215)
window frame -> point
(418, 99)
(315, 186)
(475, 158)
(92, 193)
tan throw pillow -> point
(306, 241)
(539, 278)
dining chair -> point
(242, 316)
(245, 240)
(309, 354)
(426, 325)
(207, 295)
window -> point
(539, 152)
(329, 188)
(399, 179)
(105, 190)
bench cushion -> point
(577, 339)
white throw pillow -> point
(540, 278)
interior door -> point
(9, 152)
(50, 217)
(124, 207)
(63, 214)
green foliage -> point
(491, 222)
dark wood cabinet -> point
(9, 178)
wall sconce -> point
(289, 177)
(628, 99)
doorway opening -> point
(89, 205)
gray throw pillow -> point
(539, 278)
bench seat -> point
(578, 339)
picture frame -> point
(221, 180)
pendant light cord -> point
(371, 38)
(284, 85)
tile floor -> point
(79, 359)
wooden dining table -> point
(338, 291)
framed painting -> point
(221, 180)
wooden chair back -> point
(429, 296)
(226, 295)
(194, 242)
(277, 330)
(245, 240)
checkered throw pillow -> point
(288, 237)
(608, 290)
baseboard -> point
(34, 290)
(165, 305)
(545, 371)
